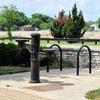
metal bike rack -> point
(60, 50)
(78, 66)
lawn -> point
(44, 43)
(93, 95)
(13, 69)
(8, 41)
(62, 43)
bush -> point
(11, 54)
(25, 57)
(8, 54)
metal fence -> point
(69, 40)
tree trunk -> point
(9, 32)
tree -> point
(87, 26)
(41, 21)
(75, 24)
(21, 20)
(12, 19)
(70, 26)
(9, 16)
(58, 24)
(74, 13)
(44, 25)
(98, 23)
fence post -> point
(35, 74)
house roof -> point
(26, 26)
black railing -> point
(71, 40)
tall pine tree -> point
(75, 24)
(70, 26)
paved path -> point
(9, 94)
(54, 85)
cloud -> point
(90, 8)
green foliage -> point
(8, 17)
(12, 19)
(24, 57)
(44, 25)
(92, 95)
(57, 26)
(41, 21)
(87, 26)
(8, 54)
(75, 24)
(12, 69)
(98, 22)
(21, 20)
(11, 54)
(69, 26)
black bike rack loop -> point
(60, 50)
(78, 66)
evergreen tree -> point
(74, 13)
(75, 24)
(70, 26)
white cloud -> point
(90, 8)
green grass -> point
(13, 69)
(62, 43)
(44, 43)
(93, 95)
(3, 35)
(7, 41)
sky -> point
(90, 8)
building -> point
(94, 27)
(26, 28)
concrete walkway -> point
(54, 85)
(9, 94)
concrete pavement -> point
(54, 85)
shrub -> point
(11, 54)
(24, 57)
(8, 54)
